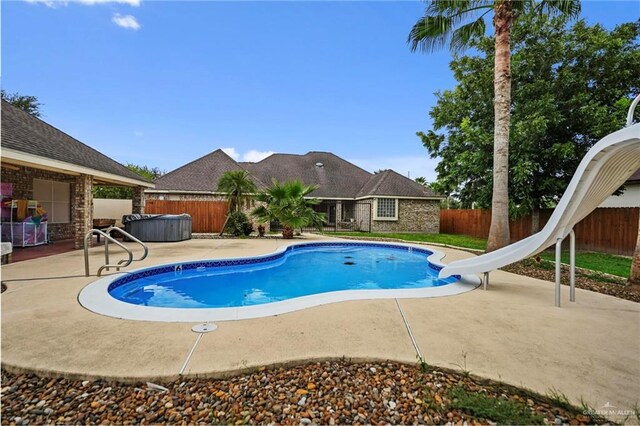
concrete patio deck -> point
(513, 332)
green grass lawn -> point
(601, 262)
(448, 239)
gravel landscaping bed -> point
(544, 271)
(316, 393)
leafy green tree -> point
(287, 203)
(126, 192)
(438, 26)
(571, 87)
(29, 104)
(238, 186)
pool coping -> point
(95, 296)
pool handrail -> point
(130, 237)
(107, 237)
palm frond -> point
(430, 33)
(463, 35)
(436, 27)
(570, 8)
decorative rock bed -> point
(316, 393)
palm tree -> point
(438, 26)
(239, 187)
(287, 203)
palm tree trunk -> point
(499, 230)
(287, 232)
(634, 276)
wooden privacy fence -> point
(609, 230)
(207, 216)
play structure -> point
(607, 165)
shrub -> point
(238, 224)
(247, 228)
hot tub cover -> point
(135, 217)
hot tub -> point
(158, 227)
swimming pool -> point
(295, 277)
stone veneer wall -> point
(413, 216)
(137, 204)
(22, 180)
(82, 209)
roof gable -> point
(336, 177)
(201, 175)
(390, 183)
(25, 133)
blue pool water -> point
(299, 271)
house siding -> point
(413, 216)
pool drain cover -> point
(204, 328)
(349, 263)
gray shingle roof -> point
(25, 133)
(337, 178)
(201, 174)
(390, 183)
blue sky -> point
(161, 83)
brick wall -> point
(22, 180)
(413, 216)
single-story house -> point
(44, 167)
(630, 197)
(351, 197)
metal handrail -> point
(107, 237)
(132, 238)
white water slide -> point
(607, 165)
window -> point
(386, 209)
(55, 198)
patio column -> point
(138, 200)
(82, 208)
(338, 213)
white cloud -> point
(126, 21)
(49, 3)
(58, 3)
(231, 152)
(134, 3)
(414, 166)
(251, 156)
